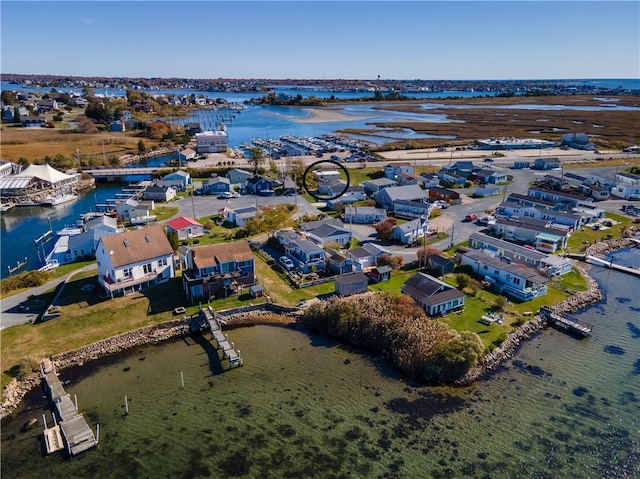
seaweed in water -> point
(635, 330)
(580, 391)
(622, 300)
(636, 367)
(617, 350)
(535, 370)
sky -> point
(448, 40)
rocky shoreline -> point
(16, 390)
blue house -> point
(546, 163)
(258, 185)
(215, 186)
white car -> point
(286, 262)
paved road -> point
(19, 309)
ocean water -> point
(304, 406)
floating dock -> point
(72, 427)
(566, 321)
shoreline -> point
(17, 389)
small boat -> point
(58, 199)
(4, 207)
(143, 220)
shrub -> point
(28, 279)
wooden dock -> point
(73, 427)
(603, 262)
(566, 321)
(221, 340)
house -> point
(324, 176)
(392, 170)
(460, 167)
(338, 263)
(47, 105)
(84, 245)
(435, 193)
(388, 196)
(411, 209)
(374, 186)
(178, 180)
(542, 234)
(567, 198)
(408, 233)
(117, 126)
(545, 264)
(404, 179)
(441, 265)
(349, 284)
(134, 260)
(185, 227)
(428, 179)
(215, 185)
(509, 209)
(379, 274)
(126, 209)
(546, 164)
(488, 190)
(159, 193)
(579, 141)
(487, 176)
(434, 296)
(240, 216)
(364, 214)
(515, 280)
(326, 234)
(32, 121)
(332, 188)
(367, 255)
(211, 141)
(451, 178)
(311, 225)
(306, 254)
(626, 186)
(238, 177)
(341, 201)
(7, 113)
(259, 186)
(218, 270)
(186, 154)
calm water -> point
(303, 406)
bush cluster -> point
(393, 325)
(28, 279)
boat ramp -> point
(566, 321)
(72, 428)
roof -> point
(412, 226)
(312, 225)
(326, 231)
(212, 255)
(522, 272)
(181, 173)
(430, 290)
(408, 192)
(182, 222)
(137, 245)
(45, 173)
(352, 278)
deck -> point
(566, 321)
(73, 427)
(221, 339)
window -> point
(127, 272)
(163, 262)
(147, 268)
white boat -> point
(143, 220)
(58, 199)
(4, 207)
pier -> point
(72, 427)
(566, 321)
(603, 262)
(208, 318)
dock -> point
(566, 321)
(72, 428)
(221, 340)
(603, 262)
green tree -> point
(256, 156)
(9, 97)
(463, 280)
(16, 115)
(142, 148)
(172, 236)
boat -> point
(58, 199)
(143, 220)
(4, 207)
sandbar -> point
(328, 115)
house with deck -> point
(218, 270)
(306, 255)
(367, 255)
(434, 296)
(411, 231)
(543, 235)
(515, 280)
(134, 260)
(364, 214)
(327, 234)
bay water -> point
(304, 406)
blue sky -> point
(449, 40)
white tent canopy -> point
(47, 174)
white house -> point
(392, 170)
(211, 141)
(178, 180)
(185, 227)
(408, 233)
(434, 296)
(517, 281)
(364, 214)
(239, 216)
(327, 233)
(85, 244)
(134, 260)
(367, 255)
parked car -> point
(486, 220)
(470, 217)
(441, 204)
(286, 262)
(225, 195)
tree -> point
(142, 148)
(9, 97)
(172, 236)
(385, 228)
(425, 253)
(387, 260)
(256, 155)
(463, 280)
(16, 115)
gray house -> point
(433, 295)
(349, 284)
(386, 197)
